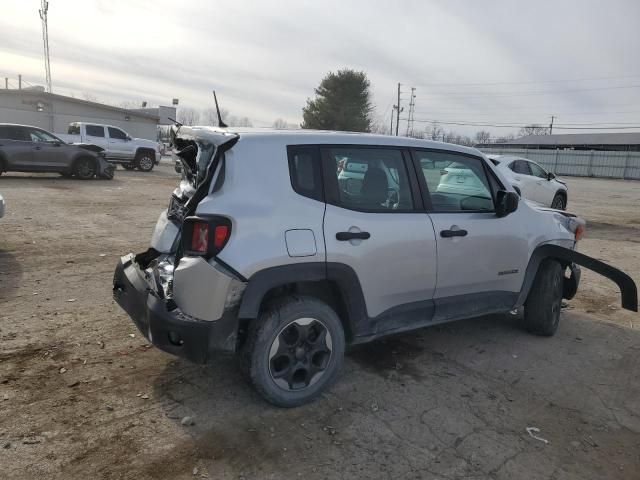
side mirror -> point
(550, 176)
(506, 203)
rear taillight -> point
(205, 236)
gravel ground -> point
(83, 395)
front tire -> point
(294, 351)
(144, 161)
(559, 202)
(543, 305)
(84, 169)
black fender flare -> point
(628, 289)
(141, 150)
(342, 275)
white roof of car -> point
(305, 136)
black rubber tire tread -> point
(136, 162)
(253, 360)
(562, 197)
(543, 305)
(76, 172)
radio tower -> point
(45, 38)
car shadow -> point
(55, 179)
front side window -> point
(117, 134)
(456, 183)
(521, 167)
(94, 131)
(537, 170)
(369, 179)
(41, 136)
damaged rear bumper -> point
(165, 325)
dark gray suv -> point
(31, 149)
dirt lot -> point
(83, 396)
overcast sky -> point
(486, 61)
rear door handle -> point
(453, 233)
(344, 236)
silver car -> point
(31, 149)
(263, 251)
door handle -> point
(344, 236)
(453, 233)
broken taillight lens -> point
(200, 237)
(205, 236)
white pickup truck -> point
(119, 146)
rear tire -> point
(144, 161)
(294, 351)
(559, 202)
(84, 168)
(543, 305)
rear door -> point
(379, 229)
(481, 258)
(95, 134)
(17, 147)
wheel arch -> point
(141, 150)
(81, 156)
(566, 256)
(334, 283)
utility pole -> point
(412, 106)
(6, 83)
(392, 114)
(19, 81)
(44, 8)
(551, 125)
(398, 110)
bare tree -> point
(188, 116)
(436, 132)
(240, 122)
(209, 117)
(483, 137)
(533, 129)
(505, 138)
(280, 124)
(89, 97)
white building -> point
(54, 112)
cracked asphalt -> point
(82, 394)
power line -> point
(531, 82)
(521, 125)
(528, 94)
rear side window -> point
(73, 129)
(117, 134)
(368, 179)
(9, 132)
(306, 172)
(94, 131)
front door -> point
(49, 154)
(544, 189)
(377, 228)
(481, 258)
(119, 145)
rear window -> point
(94, 130)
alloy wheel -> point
(300, 354)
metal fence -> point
(580, 163)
